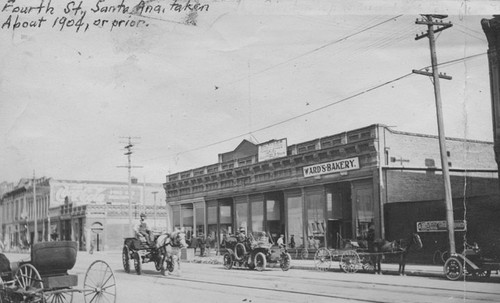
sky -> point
(188, 86)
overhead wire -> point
(317, 109)
(314, 50)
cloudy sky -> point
(187, 87)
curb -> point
(389, 272)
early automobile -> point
(254, 251)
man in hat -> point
(142, 231)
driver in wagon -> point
(142, 231)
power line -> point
(317, 109)
(316, 49)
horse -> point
(163, 251)
(401, 247)
(169, 240)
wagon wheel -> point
(323, 259)
(59, 296)
(453, 269)
(28, 279)
(228, 261)
(99, 284)
(260, 261)
(285, 261)
(126, 259)
(349, 262)
(137, 263)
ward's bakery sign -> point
(331, 167)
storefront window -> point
(364, 212)
(273, 217)
(258, 216)
(199, 209)
(241, 215)
(226, 217)
(212, 223)
(187, 220)
(315, 217)
(176, 216)
(295, 226)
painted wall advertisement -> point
(272, 150)
(85, 193)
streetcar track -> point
(323, 295)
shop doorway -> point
(96, 235)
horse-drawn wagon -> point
(254, 252)
(470, 262)
(45, 278)
(164, 253)
(355, 255)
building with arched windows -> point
(93, 213)
(333, 188)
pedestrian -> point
(280, 241)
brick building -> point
(336, 186)
(89, 212)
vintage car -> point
(254, 251)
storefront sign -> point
(272, 150)
(437, 226)
(331, 167)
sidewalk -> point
(387, 268)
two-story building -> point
(335, 187)
(93, 213)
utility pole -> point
(129, 166)
(431, 21)
(35, 235)
(154, 195)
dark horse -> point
(400, 247)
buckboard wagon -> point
(45, 278)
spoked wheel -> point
(28, 279)
(228, 260)
(304, 253)
(453, 269)
(99, 284)
(126, 259)
(349, 262)
(322, 259)
(260, 261)
(137, 263)
(59, 296)
(285, 261)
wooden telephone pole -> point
(431, 21)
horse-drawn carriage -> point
(469, 263)
(355, 255)
(45, 277)
(254, 252)
(164, 253)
